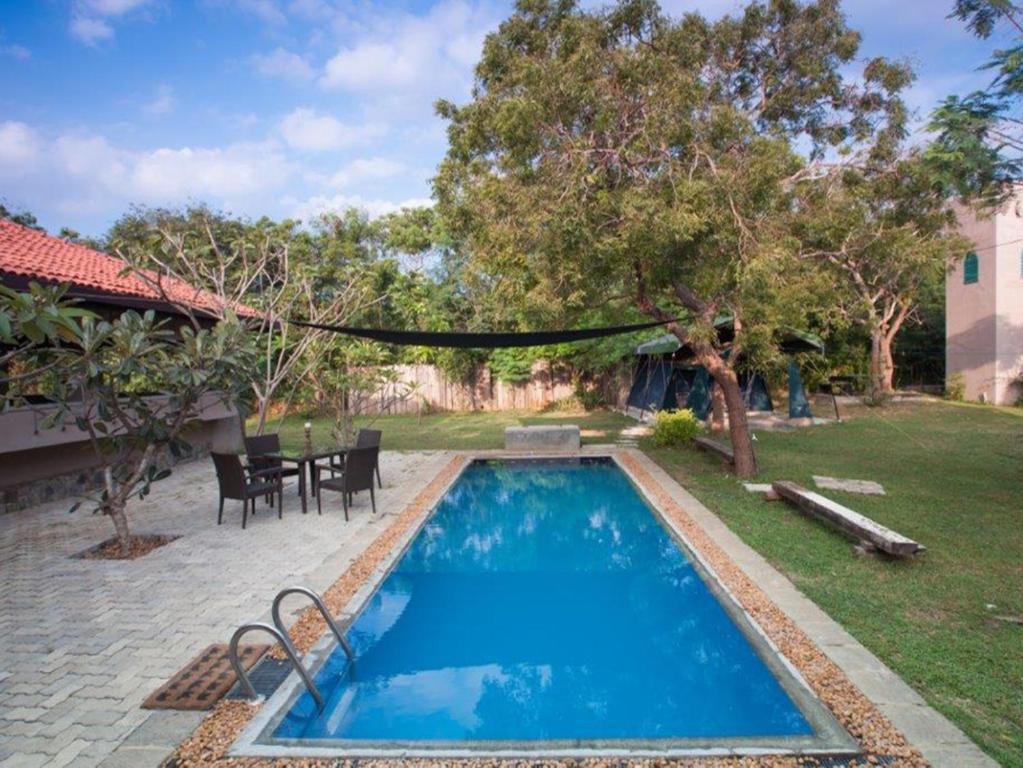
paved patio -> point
(85, 641)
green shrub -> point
(675, 427)
(590, 399)
(955, 388)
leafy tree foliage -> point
(132, 385)
(25, 218)
(885, 238)
(620, 158)
(979, 149)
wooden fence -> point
(426, 387)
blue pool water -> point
(544, 601)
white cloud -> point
(372, 66)
(307, 130)
(431, 55)
(80, 174)
(284, 64)
(16, 51)
(19, 146)
(314, 207)
(162, 104)
(90, 157)
(90, 30)
(237, 171)
(112, 7)
(90, 19)
(266, 11)
(364, 169)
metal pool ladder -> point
(280, 634)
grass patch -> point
(954, 477)
(457, 431)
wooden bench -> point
(722, 451)
(849, 521)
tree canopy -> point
(624, 158)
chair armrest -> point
(262, 472)
(317, 468)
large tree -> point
(884, 233)
(621, 157)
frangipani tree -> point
(623, 157)
(269, 273)
(132, 386)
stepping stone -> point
(851, 486)
(757, 487)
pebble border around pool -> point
(882, 742)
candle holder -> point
(309, 436)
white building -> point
(984, 307)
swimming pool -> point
(544, 606)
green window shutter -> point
(971, 269)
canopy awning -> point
(790, 341)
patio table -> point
(306, 458)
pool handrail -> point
(275, 612)
(289, 649)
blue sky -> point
(290, 107)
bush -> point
(955, 388)
(675, 427)
(590, 399)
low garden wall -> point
(39, 464)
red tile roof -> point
(34, 255)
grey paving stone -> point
(87, 641)
(164, 728)
(135, 757)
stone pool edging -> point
(212, 741)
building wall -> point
(1009, 309)
(39, 464)
(970, 312)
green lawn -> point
(459, 430)
(954, 477)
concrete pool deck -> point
(88, 640)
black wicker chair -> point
(257, 448)
(370, 438)
(356, 476)
(246, 484)
(366, 438)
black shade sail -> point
(458, 340)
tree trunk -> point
(717, 409)
(723, 375)
(738, 425)
(120, 520)
(262, 405)
(882, 368)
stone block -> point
(542, 439)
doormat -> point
(204, 680)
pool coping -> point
(829, 738)
(223, 734)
